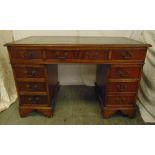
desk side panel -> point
(102, 73)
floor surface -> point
(75, 105)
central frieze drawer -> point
(77, 54)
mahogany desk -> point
(119, 63)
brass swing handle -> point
(92, 55)
(34, 99)
(127, 55)
(121, 73)
(28, 55)
(32, 86)
(59, 56)
(120, 100)
(30, 73)
(121, 87)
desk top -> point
(77, 41)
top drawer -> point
(26, 54)
(125, 71)
(77, 54)
(30, 71)
(125, 54)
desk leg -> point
(46, 111)
(129, 112)
(107, 112)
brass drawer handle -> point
(58, 56)
(28, 55)
(30, 73)
(120, 100)
(96, 54)
(32, 86)
(121, 87)
(121, 73)
(91, 55)
(34, 99)
(127, 55)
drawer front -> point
(30, 72)
(33, 99)
(128, 54)
(60, 54)
(120, 100)
(125, 72)
(32, 86)
(115, 87)
(96, 55)
(87, 54)
(26, 54)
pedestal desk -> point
(119, 63)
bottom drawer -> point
(34, 99)
(120, 100)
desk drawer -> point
(119, 100)
(96, 54)
(76, 54)
(33, 99)
(26, 54)
(125, 71)
(32, 86)
(30, 72)
(128, 54)
(115, 87)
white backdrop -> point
(8, 93)
(146, 94)
(75, 74)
